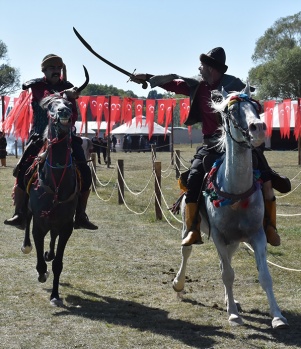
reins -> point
(229, 118)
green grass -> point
(116, 282)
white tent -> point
(91, 127)
(160, 137)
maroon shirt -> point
(202, 99)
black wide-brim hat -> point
(216, 58)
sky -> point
(151, 36)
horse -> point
(233, 207)
(53, 191)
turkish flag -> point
(161, 111)
(150, 116)
(83, 102)
(287, 117)
(115, 109)
(281, 118)
(6, 103)
(127, 110)
(138, 111)
(169, 107)
(93, 106)
(100, 102)
(184, 109)
(268, 116)
(106, 109)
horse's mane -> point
(218, 104)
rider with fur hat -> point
(212, 77)
(52, 67)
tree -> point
(9, 76)
(278, 54)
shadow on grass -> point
(122, 312)
(255, 318)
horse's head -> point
(240, 116)
(59, 111)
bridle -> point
(229, 118)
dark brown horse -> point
(53, 193)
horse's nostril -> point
(252, 127)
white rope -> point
(274, 264)
(133, 193)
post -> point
(178, 164)
(154, 155)
(120, 181)
(93, 158)
(158, 190)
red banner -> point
(150, 116)
(138, 111)
(184, 109)
(6, 103)
(100, 104)
(83, 102)
(93, 106)
(161, 111)
(127, 111)
(268, 116)
(287, 118)
(115, 109)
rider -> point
(213, 77)
(52, 66)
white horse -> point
(234, 202)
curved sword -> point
(84, 42)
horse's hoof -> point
(26, 249)
(279, 323)
(56, 302)
(43, 277)
(176, 287)
(235, 320)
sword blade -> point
(84, 42)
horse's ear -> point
(247, 90)
(224, 93)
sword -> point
(114, 66)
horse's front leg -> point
(179, 280)
(57, 263)
(265, 279)
(39, 236)
(225, 254)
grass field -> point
(116, 282)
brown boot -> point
(19, 218)
(269, 223)
(194, 235)
(81, 219)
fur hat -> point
(51, 60)
(216, 58)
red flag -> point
(6, 103)
(138, 111)
(169, 107)
(150, 116)
(93, 106)
(100, 101)
(161, 111)
(106, 109)
(281, 118)
(287, 117)
(184, 109)
(127, 110)
(268, 116)
(20, 117)
(297, 113)
(83, 102)
(115, 109)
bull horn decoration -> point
(79, 89)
